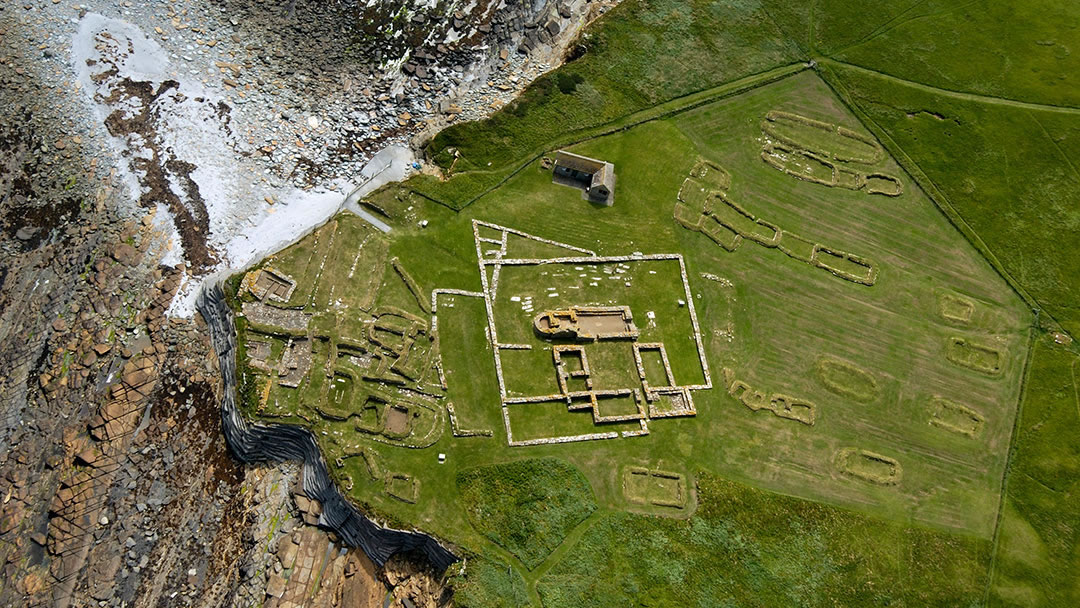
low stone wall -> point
(456, 429)
(251, 442)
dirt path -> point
(571, 540)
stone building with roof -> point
(596, 178)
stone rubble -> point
(116, 487)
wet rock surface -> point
(116, 485)
(227, 117)
(322, 502)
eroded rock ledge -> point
(253, 443)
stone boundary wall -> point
(505, 230)
(414, 287)
(640, 433)
(489, 289)
(317, 283)
(509, 346)
(565, 439)
(607, 260)
(456, 429)
(253, 442)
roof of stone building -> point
(605, 176)
(577, 162)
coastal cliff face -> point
(144, 147)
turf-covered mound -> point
(527, 507)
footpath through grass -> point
(527, 506)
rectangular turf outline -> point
(1013, 335)
(679, 495)
(489, 288)
(456, 429)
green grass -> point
(915, 255)
(746, 547)
(783, 314)
(659, 88)
(639, 55)
(464, 349)
(526, 506)
(1008, 173)
(1012, 50)
(958, 45)
(792, 314)
(1037, 554)
(489, 583)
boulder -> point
(275, 586)
(126, 254)
(286, 552)
(302, 502)
(25, 233)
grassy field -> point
(1010, 50)
(1020, 191)
(1040, 528)
(1033, 62)
(526, 506)
(462, 331)
(873, 359)
(910, 488)
(746, 547)
(894, 332)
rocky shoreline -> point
(259, 443)
(116, 483)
